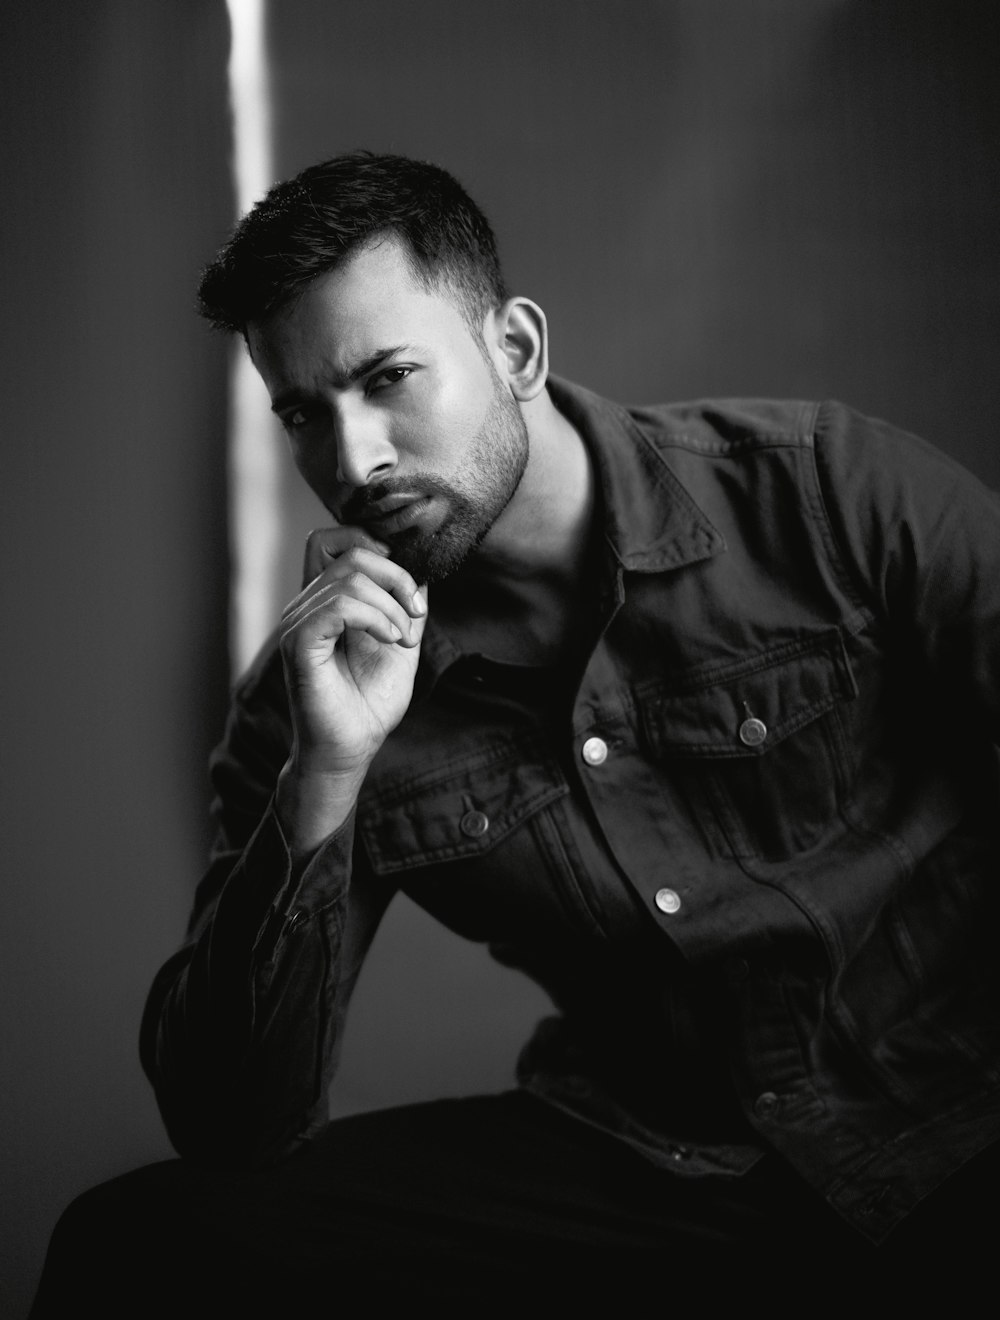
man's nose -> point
(364, 451)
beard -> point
(474, 499)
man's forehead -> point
(379, 284)
(347, 320)
(382, 260)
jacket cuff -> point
(265, 896)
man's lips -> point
(393, 514)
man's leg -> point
(485, 1202)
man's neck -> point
(522, 596)
(545, 527)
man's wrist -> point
(312, 804)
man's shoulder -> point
(725, 426)
(841, 434)
(849, 447)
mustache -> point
(365, 500)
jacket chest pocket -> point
(756, 746)
(460, 809)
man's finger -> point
(324, 544)
(330, 617)
(359, 563)
(330, 591)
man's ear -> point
(519, 338)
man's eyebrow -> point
(289, 398)
(375, 360)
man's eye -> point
(297, 418)
(388, 376)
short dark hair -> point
(304, 226)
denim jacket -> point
(767, 807)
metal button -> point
(667, 900)
(753, 732)
(766, 1105)
(595, 751)
(474, 824)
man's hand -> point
(350, 642)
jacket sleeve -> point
(242, 1026)
(919, 536)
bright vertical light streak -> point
(254, 447)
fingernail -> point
(396, 634)
(418, 602)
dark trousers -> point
(488, 1204)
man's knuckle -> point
(317, 540)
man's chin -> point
(432, 558)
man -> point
(688, 711)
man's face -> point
(396, 419)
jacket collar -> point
(650, 520)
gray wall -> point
(793, 197)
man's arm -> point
(920, 537)
(242, 1026)
(350, 643)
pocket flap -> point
(746, 708)
(459, 810)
